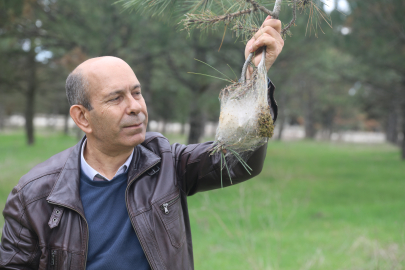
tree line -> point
(346, 77)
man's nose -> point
(134, 107)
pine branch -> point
(209, 19)
(241, 14)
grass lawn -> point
(316, 205)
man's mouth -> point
(134, 126)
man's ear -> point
(79, 114)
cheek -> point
(104, 122)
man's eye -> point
(114, 99)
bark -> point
(30, 95)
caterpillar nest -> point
(245, 121)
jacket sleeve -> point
(198, 171)
(19, 245)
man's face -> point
(119, 116)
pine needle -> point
(223, 37)
(210, 76)
(222, 186)
(226, 165)
(212, 68)
(244, 164)
(233, 72)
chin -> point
(136, 139)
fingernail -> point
(250, 48)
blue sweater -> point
(113, 243)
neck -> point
(104, 161)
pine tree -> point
(244, 17)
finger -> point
(276, 24)
(250, 42)
(266, 30)
(270, 31)
(265, 40)
(248, 46)
(267, 18)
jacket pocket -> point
(171, 215)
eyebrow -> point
(120, 91)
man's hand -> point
(269, 36)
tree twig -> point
(276, 9)
(262, 8)
(292, 22)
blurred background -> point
(331, 195)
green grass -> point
(315, 206)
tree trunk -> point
(163, 126)
(30, 95)
(391, 127)
(197, 122)
(1, 116)
(66, 124)
(197, 117)
(309, 112)
(183, 128)
(282, 115)
(146, 75)
(402, 109)
(403, 134)
(281, 126)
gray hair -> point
(77, 91)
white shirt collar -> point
(90, 172)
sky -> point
(342, 5)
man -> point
(118, 199)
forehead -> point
(109, 75)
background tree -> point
(377, 41)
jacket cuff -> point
(272, 102)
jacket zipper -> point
(87, 225)
(133, 225)
(165, 206)
(53, 253)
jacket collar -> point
(66, 190)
